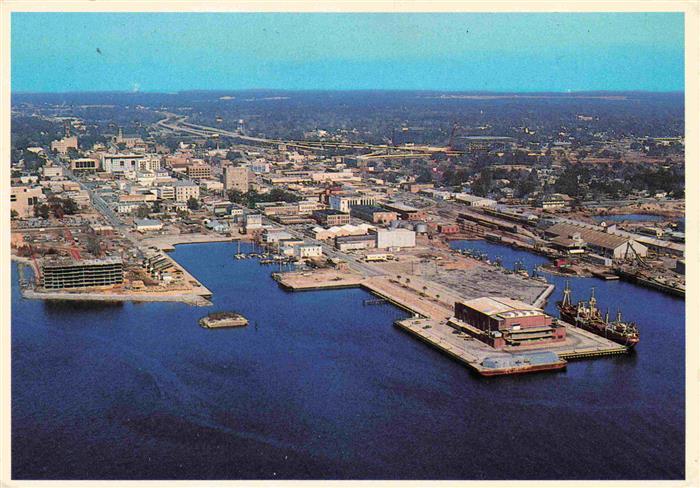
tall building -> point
(198, 171)
(184, 190)
(65, 273)
(236, 178)
(62, 146)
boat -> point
(586, 316)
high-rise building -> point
(237, 178)
(65, 273)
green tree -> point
(41, 210)
(13, 214)
(193, 203)
(143, 211)
(482, 186)
(236, 196)
(70, 206)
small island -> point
(223, 319)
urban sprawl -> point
(102, 191)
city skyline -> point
(53, 52)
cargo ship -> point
(586, 316)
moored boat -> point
(586, 316)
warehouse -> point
(375, 215)
(405, 212)
(509, 322)
(349, 243)
(606, 244)
(395, 238)
(330, 217)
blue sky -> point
(156, 52)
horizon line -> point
(302, 90)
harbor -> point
(433, 322)
(319, 334)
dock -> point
(432, 321)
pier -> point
(432, 321)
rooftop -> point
(502, 307)
(594, 237)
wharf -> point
(168, 242)
(471, 352)
(317, 280)
(99, 296)
(432, 322)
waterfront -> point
(320, 386)
(630, 218)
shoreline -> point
(199, 296)
(189, 298)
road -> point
(178, 123)
(102, 207)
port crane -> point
(631, 252)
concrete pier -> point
(433, 323)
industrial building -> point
(145, 225)
(606, 244)
(350, 243)
(330, 217)
(474, 201)
(507, 322)
(308, 251)
(375, 215)
(252, 222)
(340, 231)
(395, 238)
(65, 273)
(405, 212)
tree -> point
(143, 211)
(236, 196)
(482, 186)
(70, 206)
(93, 246)
(13, 214)
(41, 210)
(193, 203)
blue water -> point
(630, 218)
(320, 386)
